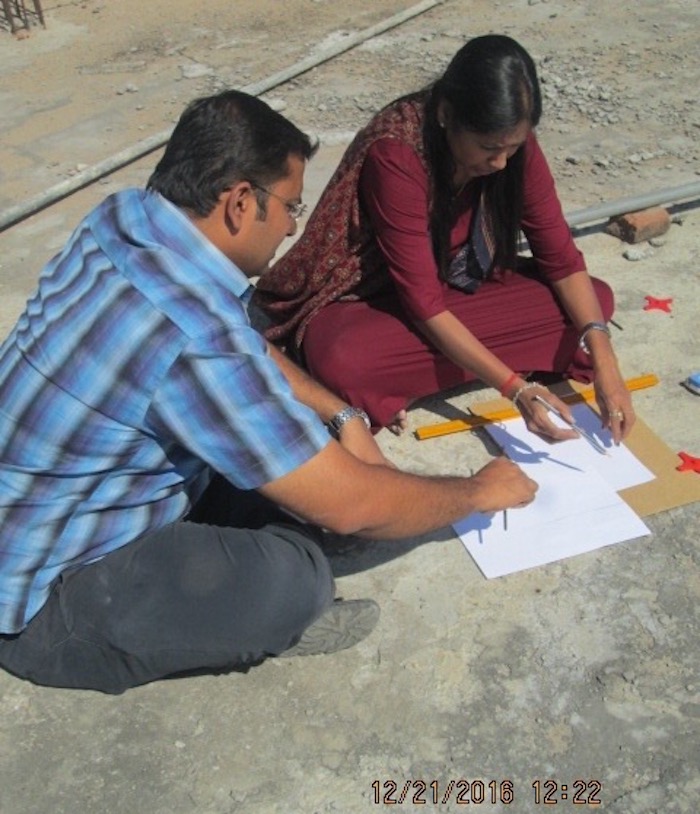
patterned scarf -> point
(337, 256)
(473, 263)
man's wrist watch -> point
(344, 416)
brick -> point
(635, 227)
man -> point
(133, 377)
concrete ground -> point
(574, 682)
(582, 670)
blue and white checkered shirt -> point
(131, 376)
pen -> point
(505, 511)
(591, 440)
(478, 531)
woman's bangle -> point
(521, 390)
(591, 326)
(506, 386)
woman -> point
(406, 280)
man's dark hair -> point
(220, 140)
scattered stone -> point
(195, 70)
(636, 253)
(277, 104)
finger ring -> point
(617, 414)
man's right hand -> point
(501, 484)
(338, 491)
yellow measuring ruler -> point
(474, 421)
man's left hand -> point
(356, 439)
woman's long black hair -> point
(490, 85)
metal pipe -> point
(81, 179)
(621, 206)
(339, 48)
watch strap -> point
(345, 415)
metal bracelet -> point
(591, 326)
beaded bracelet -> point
(521, 390)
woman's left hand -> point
(615, 402)
(581, 303)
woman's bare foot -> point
(400, 422)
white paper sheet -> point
(620, 468)
(577, 508)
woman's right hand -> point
(536, 416)
(460, 346)
(501, 484)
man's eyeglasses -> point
(295, 209)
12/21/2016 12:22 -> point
(465, 792)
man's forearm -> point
(338, 492)
(354, 436)
(325, 403)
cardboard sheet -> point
(668, 490)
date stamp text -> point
(423, 792)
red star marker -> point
(689, 463)
(655, 304)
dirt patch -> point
(621, 112)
